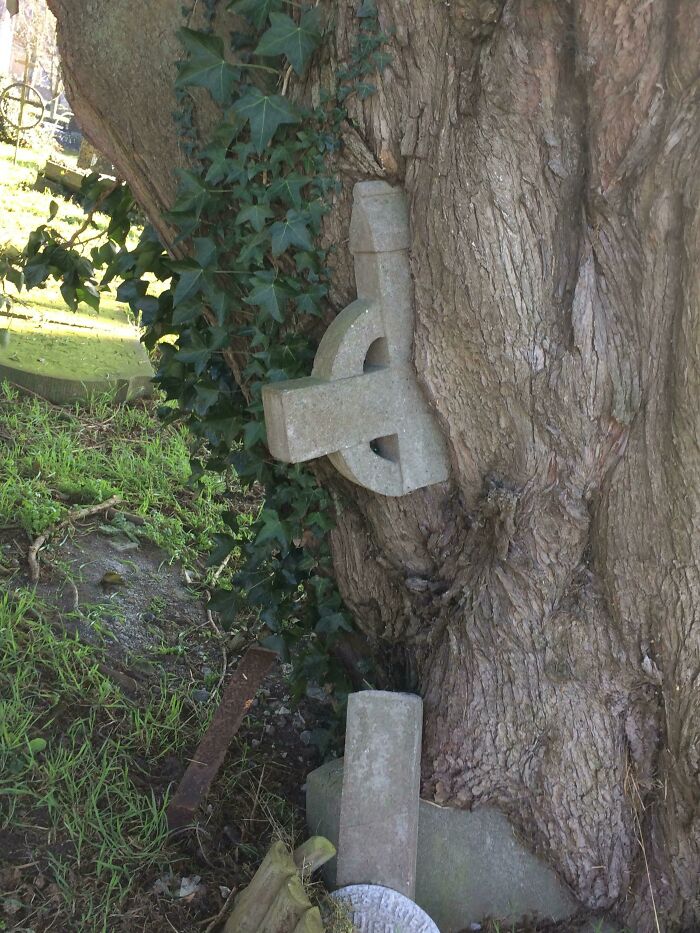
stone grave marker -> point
(470, 863)
(378, 835)
(362, 405)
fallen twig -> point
(72, 517)
(216, 920)
(91, 213)
(222, 566)
(131, 517)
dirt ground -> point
(150, 618)
(123, 594)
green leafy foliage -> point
(242, 297)
(265, 113)
(206, 66)
(296, 41)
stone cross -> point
(378, 836)
(362, 405)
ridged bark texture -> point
(547, 598)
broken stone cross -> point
(362, 405)
(378, 838)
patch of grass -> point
(53, 460)
(74, 758)
(22, 207)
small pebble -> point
(200, 696)
(305, 736)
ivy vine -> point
(242, 294)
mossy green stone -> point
(68, 356)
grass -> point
(86, 768)
(39, 333)
(22, 207)
(53, 459)
(84, 779)
(69, 743)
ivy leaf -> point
(272, 528)
(69, 296)
(331, 623)
(190, 280)
(269, 296)
(207, 395)
(265, 113)
(186, 312)
(289, 188)
(296, 41)
(207, 66)
(292, 231)
(255, 214)
(255, 11)
(88, 294)
(205, 251)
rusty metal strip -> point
(206, 761)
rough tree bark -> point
(548, 596)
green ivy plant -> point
(249, 281)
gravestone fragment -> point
(378, 832)
(374, 909)
(470, 865)
(362, 405)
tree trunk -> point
(547, 598)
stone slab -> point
(68, 356)
(470, 865)
(378, 834)
(374, 909)
(66, 391)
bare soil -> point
(153, 619)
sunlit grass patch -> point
(70, 748)
(52, 459)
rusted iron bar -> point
(235, 703)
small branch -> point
(221, 915)
(72, 517)
(91, 213)
(222, 566)
(217, 630)
(131, 517)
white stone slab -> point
(363, 405)
(378, 838)
(374, 909)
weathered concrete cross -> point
(362, 404)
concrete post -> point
(381, 785)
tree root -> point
(72, 517)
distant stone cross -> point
(362, 405)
